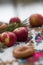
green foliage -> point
(11, 27)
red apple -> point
(36, 20)
(8, 38)
(21, 33)
(15, 20)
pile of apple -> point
(20, 34)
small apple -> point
(8, 38)
(36, 20)
(21, 33)
(15, 20)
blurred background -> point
(21, 8)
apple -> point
(15, 20)
(21, 33)
(8, 38)
(36, 20)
